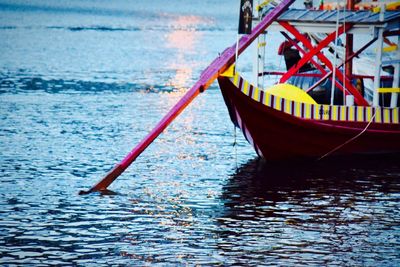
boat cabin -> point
(338, 56)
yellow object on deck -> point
(291, 92)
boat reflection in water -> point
(339, 212)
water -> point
(81, 82)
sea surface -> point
(83, 81)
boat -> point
(287, 122)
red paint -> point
(313, 50)
(316, 64)
(350, 4)
(316, 51)
(347, 59)
(294, 43)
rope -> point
(350, 140)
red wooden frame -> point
(347, 60)
(316, 64)
(316, 51)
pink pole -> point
(218, 66)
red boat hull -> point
(277, 135)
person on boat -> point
(292, 56)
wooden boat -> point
(288, 122)
(284, 121)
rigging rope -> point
(235, 145)
(350, 140)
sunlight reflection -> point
(184, 40)
(182, 43)
(185, 36)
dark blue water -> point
(81, 82)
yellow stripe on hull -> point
(317, 111)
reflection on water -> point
(326, 212)
(182, 37)
(184, 40)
